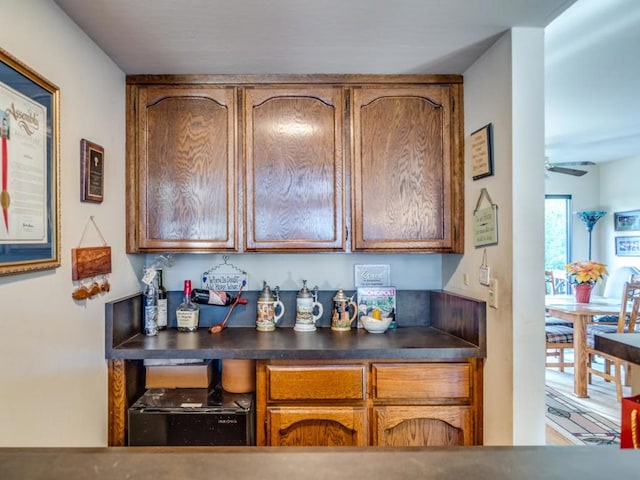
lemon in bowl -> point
(375, 325)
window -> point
(557, 232)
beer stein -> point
(267, 319)
(306, 303)
(341, 319)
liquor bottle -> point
(150, 296)
(187, 312)
(162, 303)
(214, 297)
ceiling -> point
(586, 91)
(592, 72)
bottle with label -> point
(187, 313)
(150, 297)
(162, 303)
(214, 297)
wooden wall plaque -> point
(90, 261)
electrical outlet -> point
(493, 293)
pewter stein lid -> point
(340, 296)
(304, 291)
(265, 294)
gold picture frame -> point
(29, 132)
(91, 172)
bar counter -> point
(431, 324)
(624, 346)
(196, 463)
(286, 343)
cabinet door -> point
(184, 169)
(407, 168)
(294, 170)
(316, 426)
(408, 426)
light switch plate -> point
(493, 293)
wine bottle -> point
(187, 312)
(214, 297)
(162, 303)
(150, 296)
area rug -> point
(578, 425)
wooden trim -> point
(267, 79)
(131, 171)
(117, 403)
(457, 169)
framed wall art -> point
(91, 172)
(628, 246)
(482, 152)
(29, 126)
(626, 221)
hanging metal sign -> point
(485, 222)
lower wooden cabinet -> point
(410, 426)
(316, 426)
(369, 402)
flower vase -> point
(583, 292)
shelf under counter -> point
(286, 343)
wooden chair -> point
(552, 281)
(627, 320)
(559, 339)
(559, 333)
(612, 289)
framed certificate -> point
(29, 226)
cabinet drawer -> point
(331, 382)
(421, 381)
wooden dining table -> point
(566, 308)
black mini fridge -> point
(192, 417)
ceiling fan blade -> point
(572, 164)
(567, 171)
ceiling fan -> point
(560, 167)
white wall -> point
(619, 192)
(585, 195)
(54, 377)
(505, 88)
(329, 271)
(527, 53)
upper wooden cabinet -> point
(293, 168)
(407, 168)
(181, 168)
(295, 163)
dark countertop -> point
(195, 463)
(286, 343)
(625, 346)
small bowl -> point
(373, 325)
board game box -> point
(380, 298)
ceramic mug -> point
(305, 319)
(267, 320)
(341, 319)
